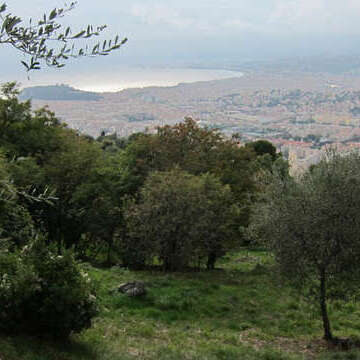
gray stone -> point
(134, 288)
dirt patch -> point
(309, 348)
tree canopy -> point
(180, 219)
(312, 224)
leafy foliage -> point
(34, 38)
(25, 133)
(42, 292)
(191, 148)
(197, 151)
(312, 225)
(16, 226)
(181, 220)
(262, 147)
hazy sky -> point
(185, 31)
(204, 17)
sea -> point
(131, 77)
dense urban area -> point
(301, 113)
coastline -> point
(135, 78)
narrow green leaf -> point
(26, 65)
(95, 48)
(53, 14)
(81, 33)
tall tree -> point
(193, 149)
(66, 171)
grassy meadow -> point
(242, 311)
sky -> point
(204, 17)
(178, 32)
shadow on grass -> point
(33, 348)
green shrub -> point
(44, 293)
(180, 220)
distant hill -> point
(335, 65)
(315, 64)
(58, 92)
(312, 64)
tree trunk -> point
(110, 246)
(324, 313)
(110, 242)
(108, 258)
(211, 260)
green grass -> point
(243, 311)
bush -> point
(44, 293)
(179, 220)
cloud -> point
(206, 17)
(159, 14)
(324, 16)
(238, 24)
(294, 12)
(215, 16)
(264, 16)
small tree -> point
(181, 220)
(34, 39)
(312, 224)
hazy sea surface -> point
(131, 77)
